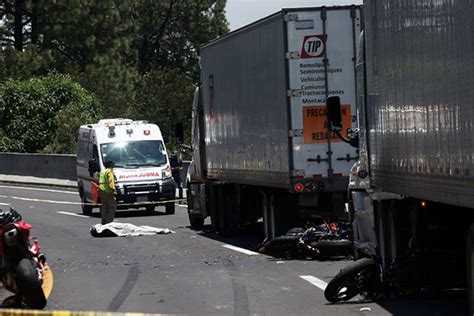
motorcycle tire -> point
(283, 246)
(297, 231)
(335, 247)
(29, 284)
(350, 281)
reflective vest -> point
(106, 181)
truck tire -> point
(196, 221)
(86, 209)
(211, 205)
(29, 284)
(222, 206)
(349, 281)
(170, 208)
(470, 268)
(336, 247)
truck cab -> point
(142, 169)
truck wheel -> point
(86, 209)
(170, 208)
(469, 268)
(29, 284)
(350, 281)
(211, 205)
(150, 209)
(196, 221)
(224, 206)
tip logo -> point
(313, 46)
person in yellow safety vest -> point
(107, 193)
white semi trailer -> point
(261, 145)
(412, 190)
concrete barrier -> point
(45, 169)
(39, 165)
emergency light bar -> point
(120, 121)
(111, 131)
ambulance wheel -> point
(86, 208)
(169, 208)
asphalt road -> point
(189, 272)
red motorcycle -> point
(21, 263)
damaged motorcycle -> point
(21, 262)
(316, 242)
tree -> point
(113, 48)
(44, 114)
(91, 41)
(170, 32)
(165, 102)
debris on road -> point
(124, 229)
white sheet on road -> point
(125, 229)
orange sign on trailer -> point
(315, 130)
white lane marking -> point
(73, 214)
(37, 189)
(314, 281)
(40, 200)
(242, 250)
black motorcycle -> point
(317, 242)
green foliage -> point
(24, 65)
(171, 32)
(164, 97)
(138, 58)
(43, 114)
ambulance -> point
(142, 169)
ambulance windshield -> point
(134, 154)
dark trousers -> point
(108, 207)
(179, 182)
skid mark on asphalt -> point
(315, 281)
(241, 300)
(126, 288)
(38, 189)
(242, 250)
(73, 214)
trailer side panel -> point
(420, 60)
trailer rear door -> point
(321, 62)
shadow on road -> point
(249, 237)
(446, 303)
(133, 213)
(441, 305)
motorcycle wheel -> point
(349, 281)
(29, 284)
(335, 247)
